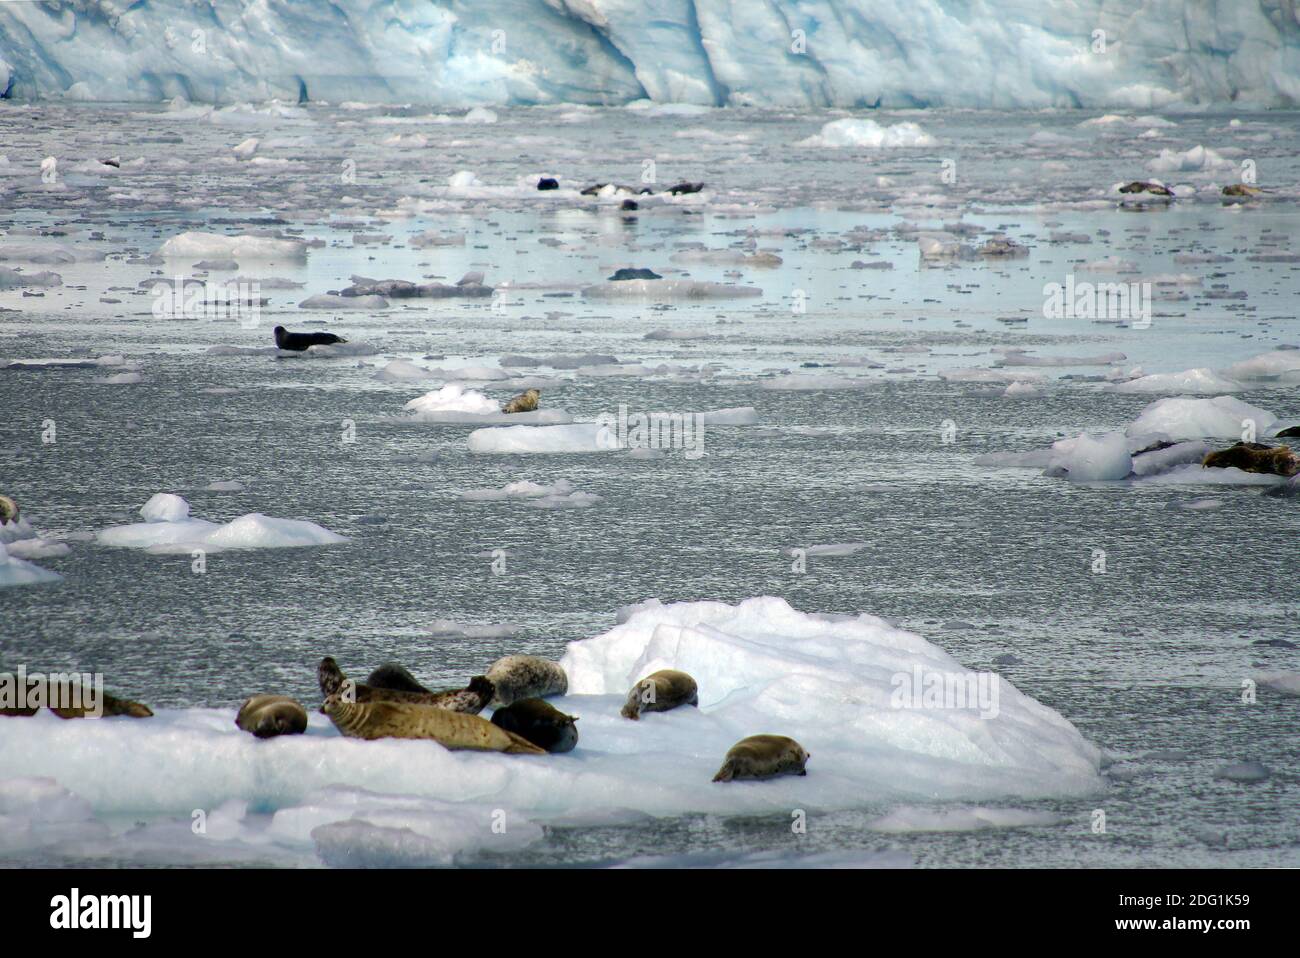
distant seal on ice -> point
(540, 722)
(763, 756)
(1143, 186)
(526, 401)
(681, 188)
(1255, 457)
(1241, 190)
(267, 716)
(8, 509)
(470, 700)
(630, 272)
(518, 677)
(453, 730)
(110, 705)
(660, 692)
(548, 183)
(298, 342)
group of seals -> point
(526, 401)
(1256, 457)
(299, 342)
(109, 705)
(755, 757)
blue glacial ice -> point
(787, 53)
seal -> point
(1241, 190)
(299, 342)
(664, 690)
(518, 677)
(526, 401)
(548, 183)
(633, 272)
(453, 730)
(44, 691)
(392, 676)
(540, 722)
(763, 756)
(1255, 457)
(267, 716)
(686, 187)
(470, 700)
(1144, 186)
(8, 509)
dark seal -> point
(298, 342)
(540, 723)
(548, 183)
(628, 272)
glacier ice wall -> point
(783, 53)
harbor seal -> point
(267, 716)
(539, 722)
(1241, 190)
(390, 675)
(298, 342)
(453, 730)
(687, 187)
(548, 183)
(470, 700)
(664, 690)
(633, 272)
(518, 677)
(8, 510)
(1144, 186)
(1255, 457)
(763, 756)
(43, 691)
(526, 401)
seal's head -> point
(8, 509)
(280, 333)
(533, 395)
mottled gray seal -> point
(1255, 457)
(453, 730)
(540, 722)
(664, 690)
(267, 716)
(1144, 186)
(8, 509)
(526, 401)
(298, 342)
(518, 677)
(470, 700)
(763, 756)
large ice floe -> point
(456, 403)
(167, 527)
(1001, 54)
(829, 681)
(17, 571)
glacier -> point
(1000, 54)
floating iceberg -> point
(244, 246)
(868, 134)
(169, 528)
(577, 437)
(1223, 417)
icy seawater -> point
(889, 433)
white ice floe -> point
(333, 301)
(868, 134)
(1088, 458)
(667, 290)
(243, 246)
(829, 681)
(1222, 417)
(457, 403)
(17, 571)
(572, 438)
(1196, 159)
(1201, 380)
(1283, 364)
(1194, 474)
(521, 489)
(169, 528)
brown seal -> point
(526, 401)
(664, 690)
(267, 716)
(763, 756)
(470, 700)
(453, 730)
(1255, 457)
(8, 509)
(44, 691)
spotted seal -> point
(664, 690)
(526, 401)
(1255, 457)
(9, 510)
(470, 700)
(267, 716)
(518, 677)
(763, 756)
(453, 730)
